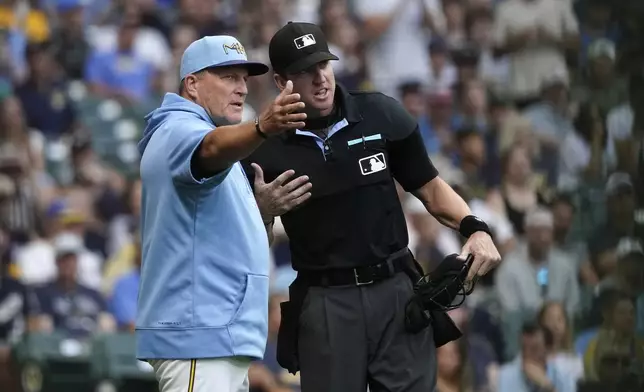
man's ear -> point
(190, 86)
(280, 81)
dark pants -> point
(353, 336)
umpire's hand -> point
(284, 113)
(275, 198)
(486, 256)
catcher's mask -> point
(443, 289)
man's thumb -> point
(259, 174)
(288, 89)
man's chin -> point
(233, 118)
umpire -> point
(343, 327)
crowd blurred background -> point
(529, 108)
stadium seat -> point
(114, 365)
(52, 363)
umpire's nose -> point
(318, 75)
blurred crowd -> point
(528, 108)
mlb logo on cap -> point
(304, 41)
(372, 164)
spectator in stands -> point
(520, 189)
(534, 34)
(471, 160)
(614, 366)
(552, 317)
(455, 34)
(494, 71)
(18, 210)
(17, 307)
(207, 16)
(454, 370)
(393, 29)
(597, 22)
(435, 127)
(617, 332)
(563, 212)
(68, 306)
(413, 98)
(473, 111)
(37, 259)
(182, 36)
(599, 83)
(620, 227)
(122, 302)
(44, 95)
(466, 59)
(442, 71)
(148, 44)
(532, 370)
(583, 156)
(32, 22)
(535, 272)
(551, 121)
(622, 142)
(69, 44)
(121, 73)
(483, 341)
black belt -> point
(359, 276)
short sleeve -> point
(408, 158)
(181, 147)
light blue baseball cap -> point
(217, 51)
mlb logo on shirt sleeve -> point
(372, 164)
(304, 41)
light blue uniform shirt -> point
(204, 276)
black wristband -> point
(471, 224)
(259, 131)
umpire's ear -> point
(250, 173)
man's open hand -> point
(284, 113)
(275, 198)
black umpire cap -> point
(298, 46)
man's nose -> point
(242, 88)
(318, 76)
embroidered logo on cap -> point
(304, 41)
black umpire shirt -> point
(354, 217)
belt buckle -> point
(357, 279)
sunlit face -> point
(221, 91)
(316, 86)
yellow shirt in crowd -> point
(35, 25)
